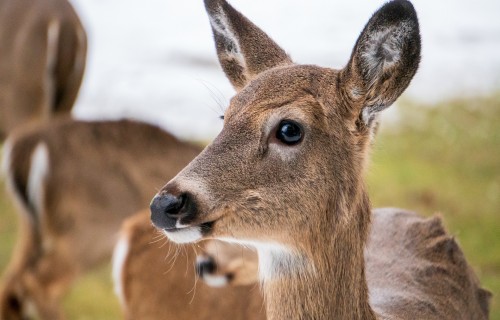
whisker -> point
(156, 239)
(193, 289)
(219, 98)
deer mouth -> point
(189, 233)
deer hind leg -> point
(37, 275)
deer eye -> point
(289, 132)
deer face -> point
(12, 303)
(295, 137)
(22, 298)
(267, 167)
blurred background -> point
(155, 59)
(438, 152)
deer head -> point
(295, 137)
(285, 173)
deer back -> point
(74, 183)
(414, 267)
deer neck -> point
(330, 281)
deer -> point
(42, 61)
(286, 176)
(223, 264)
(73, 183)
(156, 279)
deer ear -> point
(384, 59)
(243, 49)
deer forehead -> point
(297, 92)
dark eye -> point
(14, 304)
(289, 132)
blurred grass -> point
(446, 159)
(443, 158)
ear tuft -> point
(385, 58)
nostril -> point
(168, 210)
(168, 204)
(206, 266)
(14, 303)
(174, 207)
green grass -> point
(444, 158)
(8, 224)
(93, 298)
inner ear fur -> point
(243, 49)
(384, 59)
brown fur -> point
(98, 174)
(305, 206)
(237, 265)
(38, 79)
(158, 281)
(399, 243)
(243, 28)
(414, 267)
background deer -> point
(221, 264)
(286, 175)
(42, 60)
(74, 182)
(155, 279)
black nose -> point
(166, 209)
(205, 266)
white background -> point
(154, 59)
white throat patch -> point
(275, 259)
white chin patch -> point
(215, 281)
(185, 235)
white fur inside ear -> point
(383, 48)
(222, 27)
(80, 59)
(53, 32)
(378, 48)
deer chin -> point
(188, 233)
